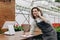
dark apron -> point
(48, 32)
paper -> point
(7, 32)
(26, 35)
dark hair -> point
(37, 9)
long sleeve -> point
(47, 18)
(32, 28)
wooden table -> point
(17, 36)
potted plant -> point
(0, 31)
(18, 28)
(58, 32)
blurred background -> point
(50, 8)
(7, 11)
(18, 13)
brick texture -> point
(7, 12)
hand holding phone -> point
(39, 14)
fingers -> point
(39, 14)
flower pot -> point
(58, 35)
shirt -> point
(33, 24)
